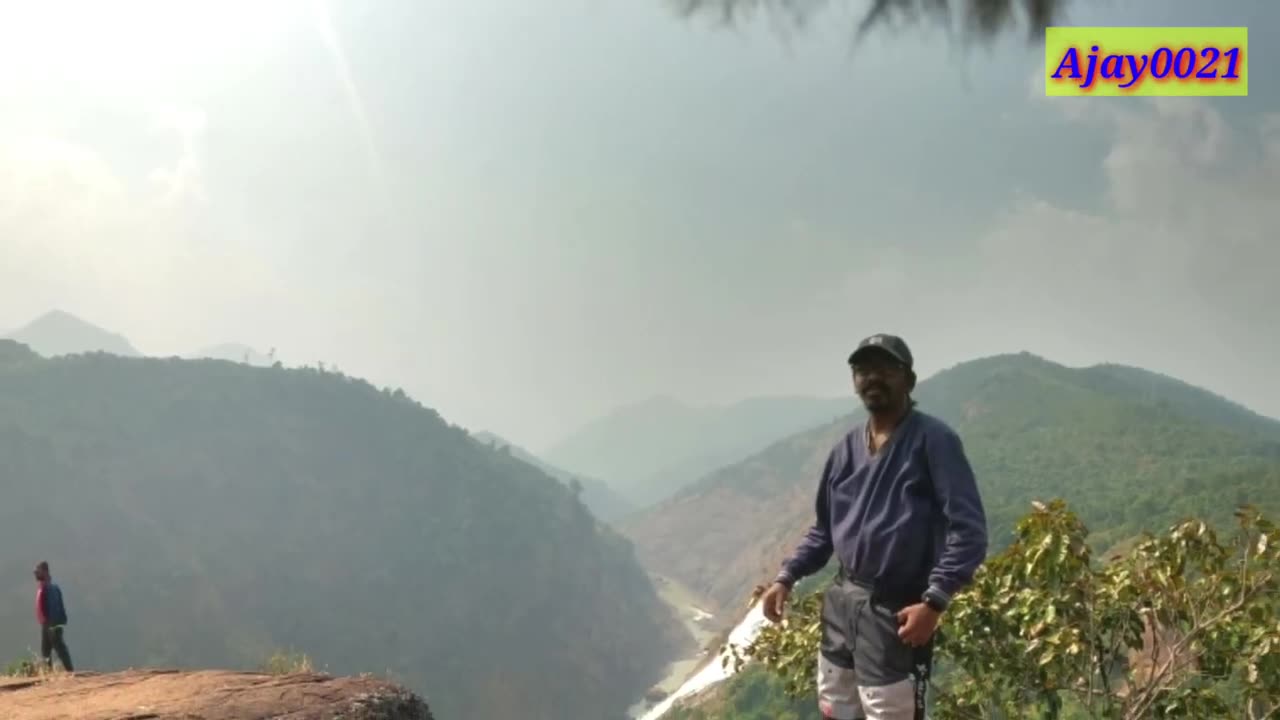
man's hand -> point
(916, 624)
(774, 601)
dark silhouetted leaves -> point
(978, 19)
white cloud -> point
(1173, 268)
(182, 180)
(78, 233)
(57, 197)
(1178, 272)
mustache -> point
(876, 386)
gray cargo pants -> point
(864, 668)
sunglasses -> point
(864, 369)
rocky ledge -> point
(206, 695)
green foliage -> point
(27, 667)
(1128, 452)
(287, 663)
(204, 513)
(757, 695)
(789, 648)
(1182, 625)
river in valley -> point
(693, 674)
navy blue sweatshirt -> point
(907, 519)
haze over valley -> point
(485, 357)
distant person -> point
(898, 506)
(51, 613)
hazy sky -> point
(528, 213)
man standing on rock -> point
(899, 508)
(52, 616)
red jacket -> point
(40, 603)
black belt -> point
(896, 596)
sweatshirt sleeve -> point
(965, 546)
(815, 548)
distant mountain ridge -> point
(1129, 449)
(602, 500)
(234, 352)
(60, 333)
(1182, 397)
(649, 450)
(206, 514)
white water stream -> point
(714, 671)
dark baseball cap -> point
(895, 346)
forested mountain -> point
(1181, 397)
(601, 499)
(649, 450)
(1128, 449)
(60, 333)
(206, 513)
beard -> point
(876, 397)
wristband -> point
(936, 599)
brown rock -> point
(206, 695)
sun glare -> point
(135, 46)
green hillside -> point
(601, 499)
(1180, 397)
(1125, 448)
(206, 513)
(1134, 453)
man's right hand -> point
(774, 601)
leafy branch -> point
(1183, 625)
(980, 19)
